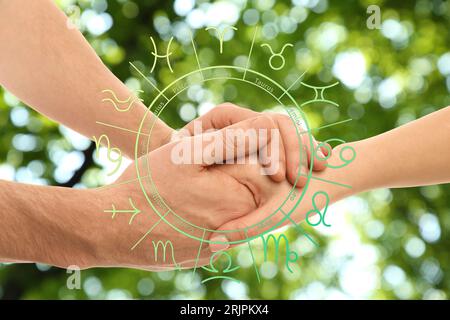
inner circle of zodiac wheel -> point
(230, 74)
(245, 78)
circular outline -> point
(200, 70)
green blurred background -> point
(386, 244)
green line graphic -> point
(221, 34)
(289, 254)
(164, 246)
(148, 232)
(250, 53)
(253, 257)
(134, 212)
(146, 79)
(299, 227)
(198, 254)
(319, 94)
(228, 269)
(121, 128)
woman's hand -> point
(296, 149)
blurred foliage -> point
(388, 243)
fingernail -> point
(303, 171)
(219, 243)
(320, 155)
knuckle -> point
(226, 106)
(301, 182)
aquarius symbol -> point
(221, 35)
(110, 150)
(156, 55)
(291, 256)
(130, 100)
(213, 269)
(135, 211)
(317, 211)
(277, 55)
(164, 246)
(319, 91)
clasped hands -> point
(213, 193)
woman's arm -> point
(414, 154)
(54, 70)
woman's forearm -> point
(414, 154)
(53, 69)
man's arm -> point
(116, 225)
(54, 70)
(46, 224)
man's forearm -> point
(65, 227)
(47, 224)
(53, 69)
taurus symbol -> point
(156, 55)
(277, 55)
(221, 35)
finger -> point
(221, 116)
(326, 148)
(233, 143)
(273, 158)
(315, 155)
(303, 168)
(292, 148)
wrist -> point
(112, 237)
(160, 136)
(352, 178)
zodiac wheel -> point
(198, 77)
(251, 83)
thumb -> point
(221, 116)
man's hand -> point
(201, 194)
(295, 154)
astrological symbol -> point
(110, 151)
(319, 91)
(134, 212)
(73, 17)
(317, 211)
(341, 153)
(226, 270)
(221, 34)
(115, 100)
(164, 246)
(156, 55)
(277, 55)
(291, 256)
